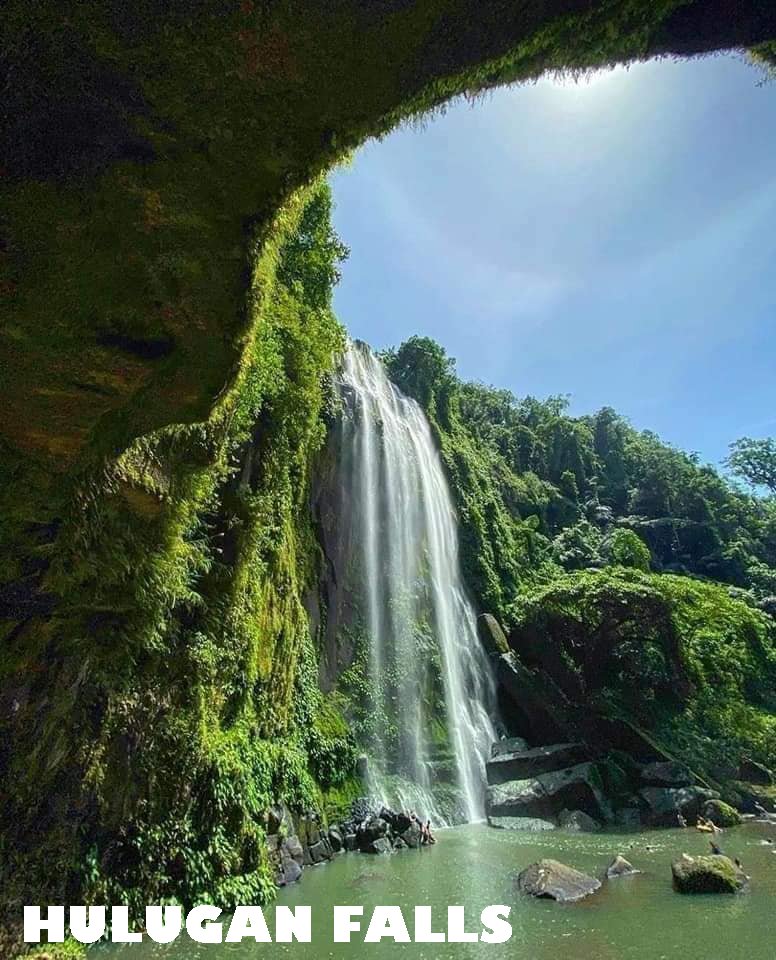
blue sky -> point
(611, 239)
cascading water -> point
(429, 676)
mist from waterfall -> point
(426, 666)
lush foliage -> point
(679, 656)
(538, 489)
(180, 698)
(562, 518)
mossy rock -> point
(713, 874)
(722, 814)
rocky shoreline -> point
(295, 842)
(564, 785)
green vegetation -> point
(161, 396)
(180, 699)
(562, 519)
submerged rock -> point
(555, 881)
(620, 867)
(712, 874)
(578, 821)
(520, 823)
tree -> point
(754, 461)
(627, 549)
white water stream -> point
(421, 626)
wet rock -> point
(399, 844)
(620, 867)
(525, 764)
(666, 773)
(362, 808)
(278, 816)
(293, 848)
(401, 822)
(336, 838)
(721, 814)
(350, 842)
(508, 745)
(380, 845)
(554, 880)
(665, 803)
(375, 828)
(520, 823)
(575, 788)
(492, 637)
(752, 772)
(713, 874)
(320, 851)
(290, 872)
(578, 821)
(411, 836)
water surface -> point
(632, 917)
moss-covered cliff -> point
(169, 695)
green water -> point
(632, 917)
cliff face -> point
(165, 695)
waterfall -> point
(429, 676)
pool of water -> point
(632, 917)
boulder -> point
(556, 881)
(380, 845)
(507, 745)
(362, 808)
(666, 773)
(370, 830)
(411, 836)
(320, 851)
(713, 874)
(524, 764)
(401, 822)
(545, 796)
(577, 821)
(336, 838)
(492, 637)
(278, 816)
(290, 871)
(620, 867)
(350, 842)
(664, 804)
(721, 814)
(752, 772)
(292, 848)
(520, 823)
